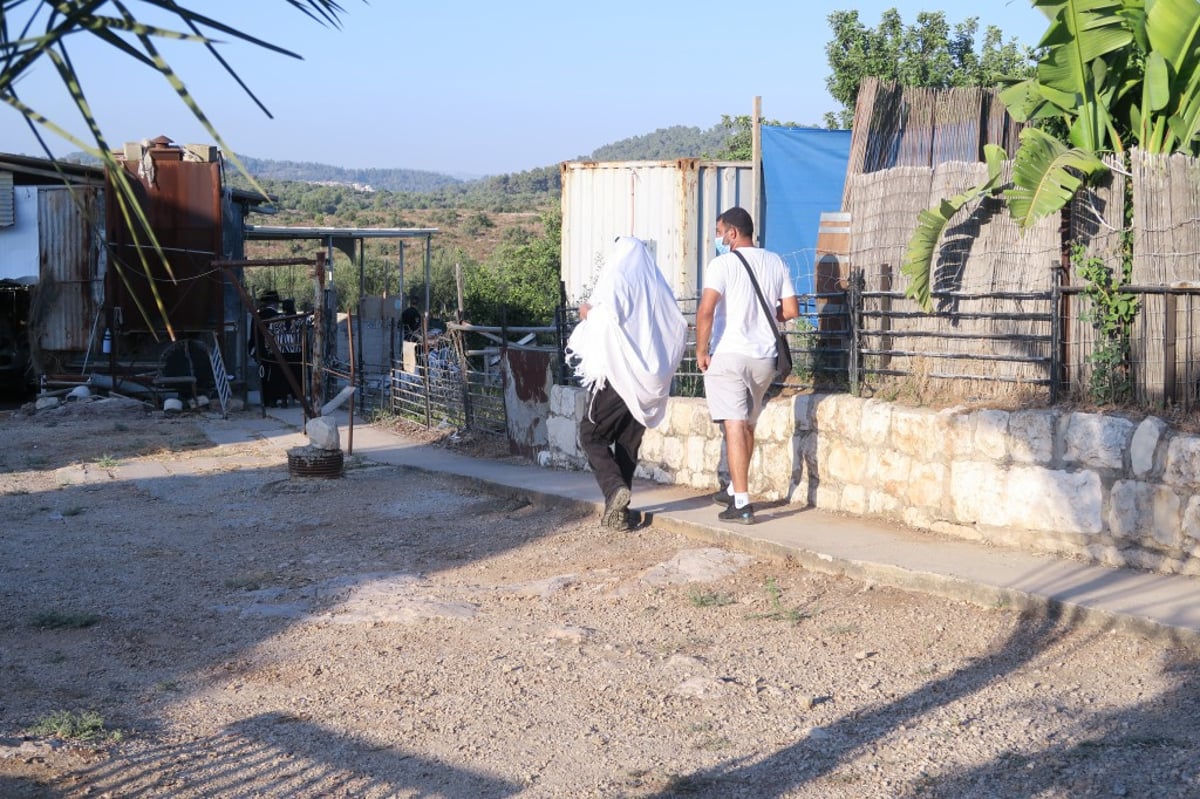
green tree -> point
(664, 144)
(521, 280)
(929, 54)
(739, 142)
(443, 285)
(477, 223)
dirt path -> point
(391, 634)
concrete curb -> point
(1165, 607)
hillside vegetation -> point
(318, 188)
(501, 232)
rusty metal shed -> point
(61, 233)
(181, 198)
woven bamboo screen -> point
(973, 334)
(1166, 251)
(911, 148)
(897, 126)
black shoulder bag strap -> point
(761, 300)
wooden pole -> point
(756, 167)
(458, 282)
(318, 380)
(350, 347)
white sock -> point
(741, 500)
(729, 489)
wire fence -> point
(1036, 346)
(1155, 364)
(819, 340)
(446, 385)
(457, 378)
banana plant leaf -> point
(1046, 175)
(918, 257)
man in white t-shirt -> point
(735, 346)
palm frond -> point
(128, 35)
(1081, 34)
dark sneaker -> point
(722, 497)
(737, 515)
(616, 508)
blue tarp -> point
(804, 170)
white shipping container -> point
(670, 205)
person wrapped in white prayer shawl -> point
(625, 351)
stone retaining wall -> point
(1096, 486)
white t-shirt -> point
(738, 323)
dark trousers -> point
(610, 438)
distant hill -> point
(666, 144)
(442, 190)
(410, 180)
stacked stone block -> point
(1101, 487)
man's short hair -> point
(738, 218)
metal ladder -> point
(220, 376)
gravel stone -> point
(396, 634)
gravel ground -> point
(392, 634)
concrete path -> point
(1163, 606)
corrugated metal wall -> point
(19, 255)
(71, 280)
(8, 212)
(183, 205)
(671, 205)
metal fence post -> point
(854, 307)
(459, 339)
(560, 324)
(1170, 338)
(885, 314)
(1056, 332)
(423, 365)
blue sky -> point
(477, 88)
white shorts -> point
(735, 386)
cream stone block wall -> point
(1088, 485)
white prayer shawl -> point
(634, 334)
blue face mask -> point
(722, 247)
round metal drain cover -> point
(314, 462)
